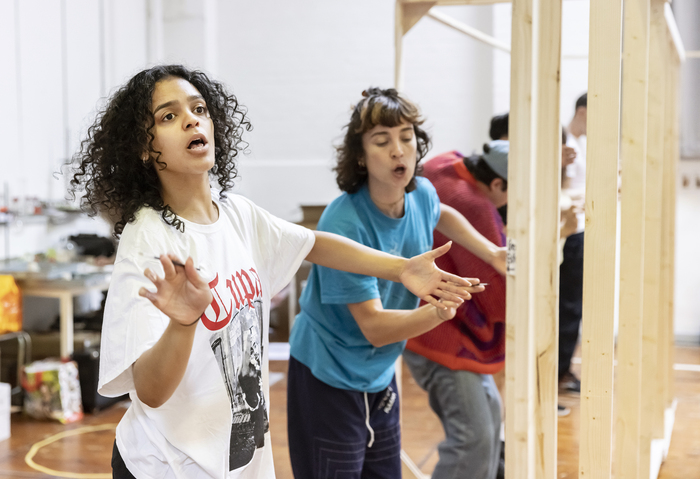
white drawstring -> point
(369, 428)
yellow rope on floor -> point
(29, 458)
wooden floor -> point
(90, 452)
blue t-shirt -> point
(325, 337)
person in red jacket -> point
(455, 361)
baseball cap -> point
(496, 156)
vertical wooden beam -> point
(652, 425)
(520, 328)
(670, 212)
(665, 288)
(633, 155)
(604, 73)
(664, 343)
(546, 255)
(398, 45)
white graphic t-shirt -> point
(215, 425)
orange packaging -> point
(10, 305)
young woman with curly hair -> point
(193, 353)
(343, 410)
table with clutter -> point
(41, 277)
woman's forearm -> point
(337, 252)
(158, 371)
(386, 326)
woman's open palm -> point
(181, 294)
(424, 279)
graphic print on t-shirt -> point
(235, 316)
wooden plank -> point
(666, 288)
(672, 216)
(413, 12)
(467, 30)
(398, 45)
(673, 31)
(604, 74)
(633, 156)
(546, 255)
(520, 370)
(520, 331)
(652, 425)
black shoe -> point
(570, 383)
(562, 410)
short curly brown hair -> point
(378, 107)
(108, 171)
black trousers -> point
(119, 470)
(328, 431)
(570, 300)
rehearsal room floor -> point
(88, 451)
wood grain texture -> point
(547, 167)
(398, 44)
(604, 75)
(521, 378)
(413, 12)
(628, 386)
(651, 426)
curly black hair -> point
(108, 169)
(378, 107)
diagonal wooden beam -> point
(466, 29)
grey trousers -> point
(469, 407)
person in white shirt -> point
(187, 315)
(571, 269)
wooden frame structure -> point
(643, 98)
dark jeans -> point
(570, 300)
(119, 470)
(328, 433)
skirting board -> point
(659, 447)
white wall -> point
(62, 58)
(687, 13)
(574, 65)
(687, 280)
(299, 70)
(297, 66)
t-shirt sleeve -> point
(131, 325)
(431, 200)
(341, 287)
(281, 247)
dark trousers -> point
(119, 470)
(328, 434)
(570, 300)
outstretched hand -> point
(181, 294)
(423, 278)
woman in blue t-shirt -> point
(343, 414)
